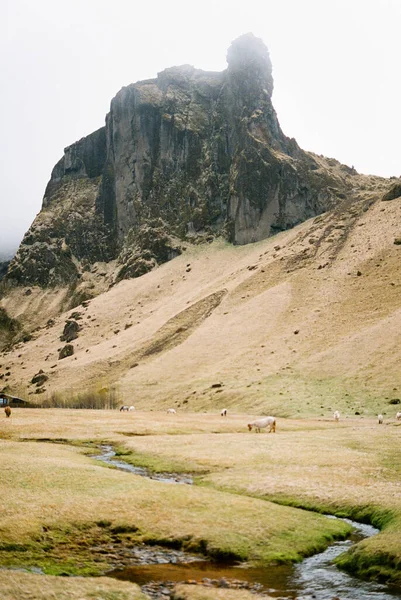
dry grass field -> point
(189, 592)
(65, 507)
(26, 586)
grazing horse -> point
(7, 410)
(123, 408)
(269, 422)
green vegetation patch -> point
(86, 549)
(246, 508)
(63, 504)
(369, 560)
(156, 463)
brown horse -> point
(7, 410)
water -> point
(315, 578)
(108, 455)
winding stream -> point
(315, 578)
(108, 456)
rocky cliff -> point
(187, 156)
(3, 268)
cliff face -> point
(186, 156)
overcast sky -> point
(336, 69)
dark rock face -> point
(393, 192)
(11, 332)
(40, 378)
(144, 248)
(70, 331)
(190, 154)
(67, 350)
(4, 268)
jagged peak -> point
(249, 54)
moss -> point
(380, 565)
(153, 463)
(84, 549)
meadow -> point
(62, 509)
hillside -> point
(301, 323)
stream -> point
(315, 578)
(108, 456)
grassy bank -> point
(191, 592)
(66, 509)
(27, 586)
(76, 506)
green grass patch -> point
(80, 549)
(379, 565)
(156, 463)
(67, 495)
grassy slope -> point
(343, 356)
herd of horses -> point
(269, 422)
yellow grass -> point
(62, 487)
(349, 468)
(231, 320)
(27, 586)
(192, 592)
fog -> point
(335, 69)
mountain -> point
(277, 290)
(186, 157)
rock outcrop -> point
(186, 156)
(9, 328)
(394, 192)
(4, 268)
